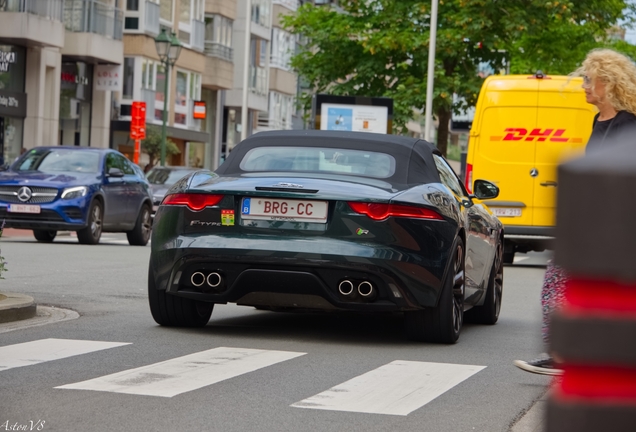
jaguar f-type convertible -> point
(332, 221)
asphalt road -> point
(308, 354)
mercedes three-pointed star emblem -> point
(24, 194)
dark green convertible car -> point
(329, 220)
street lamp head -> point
(162, 43)
(175, 49)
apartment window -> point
(281, 108)
(129, 77)
(166, 7)
(185, 11)
(218, 29)
(283, 46)
(260, 12)
(132, 5)
(258, 52)
(188, 89)
(160, 82)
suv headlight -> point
(74, 192)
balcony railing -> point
(52, 9)
(90, 16)
(153, 11)
(198, 35)
(215, 49)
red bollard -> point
(594, 333)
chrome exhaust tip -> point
(345, 287)
(214, 279)
(197, 279)
(365, 289)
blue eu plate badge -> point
(245, 208)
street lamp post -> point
(168, 49)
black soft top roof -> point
(413, 156)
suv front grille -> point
(41, 195)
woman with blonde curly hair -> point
(609, 81)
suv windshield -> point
(165, 176)
(62, 160)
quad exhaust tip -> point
(365, 289)
(214, 279)
(345, 287)
(197, 279)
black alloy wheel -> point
(93, 231)
(44, 236)
(444, 323)
(172, 311)
(488, 313)
(140, 234)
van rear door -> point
(564, 125)
(505, 153)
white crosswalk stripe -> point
(397, 388)
(191, 372)
(43, 350)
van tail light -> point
(380, 211)
(194, 201)
(469, 178)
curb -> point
(16, 307)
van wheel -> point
(509, 252)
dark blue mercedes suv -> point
(87, 190)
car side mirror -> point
(483, 189)
(115, 172)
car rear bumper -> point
(297, 274)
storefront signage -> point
(6, 58)
(12, 104)
(199, 110)
(74, 79)
(108, 78)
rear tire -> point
(93, 231)
(172, 311)
(140, 234)
(44, 236)
(488, 313)
(442, 324)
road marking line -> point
(182, 374)
(397, 388)
(43, 350)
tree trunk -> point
(444, 116)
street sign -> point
(138, 126)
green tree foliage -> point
(152, 146)
(380, 47)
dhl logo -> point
(519, 134)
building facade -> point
(71, 69)
(48, 53)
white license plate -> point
(23, 208)
(284, 210)
(506, 212)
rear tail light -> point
(379, 211)
(469, 178)
(194, 201)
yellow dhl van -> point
(524, 126)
